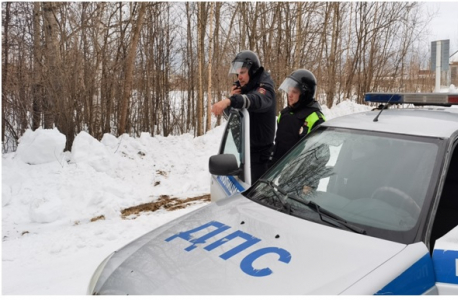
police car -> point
(365, 204)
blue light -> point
(383, 98)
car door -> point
(230, 168)
(445, 254)
(445, 261)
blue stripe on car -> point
(446, 264)
(230, 184)
(416, 280)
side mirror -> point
(224, 164)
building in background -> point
(453, 62)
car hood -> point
(237, 246)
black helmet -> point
(304, 80)
(245, 59)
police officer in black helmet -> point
(254, 90)
(301, 115)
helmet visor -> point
(236, 66)
(290, 85)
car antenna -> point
(383, 107)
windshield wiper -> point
(286, 206)
(321, 211)
(315, 207)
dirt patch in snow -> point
(101, 217)
(165, 202)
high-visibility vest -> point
(310, 120)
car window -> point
(232, 142)
(379, 181)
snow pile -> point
(101, 178)
(344, 108)
(41, 146)
(88, 150)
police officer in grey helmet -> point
(255, 91)
(301, 115)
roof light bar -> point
(413, 98)
(383, 98)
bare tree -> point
(209, 84)
(200, 58)
(190, 64)
(5, 54)
(37, 84)
(217, 55)
(52, 60)
(331, 65)
(129, 69)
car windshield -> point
(376, 181)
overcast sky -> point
(444, 25)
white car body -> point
(253, 243)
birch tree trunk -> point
(216, 54)
(209, 84)
(200, 46)
(190, 63)
(331, 66)
(298, 28)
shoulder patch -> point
(262, 91)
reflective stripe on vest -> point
(311, 119)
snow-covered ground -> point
(61, 211)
